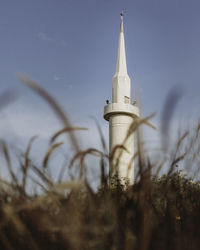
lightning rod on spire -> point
(121, 24)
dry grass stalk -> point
(49, 153)
(82, 154)
(8, 161)
(26, 163)
(103, 143)
(65, 130)
(54, 105)
(137, 122)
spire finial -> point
(121, 25)
(121, 14)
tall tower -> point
(121, 114)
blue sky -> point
(70, 48)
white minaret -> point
(120, 114)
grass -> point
(157, 212)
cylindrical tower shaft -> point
(122, 162)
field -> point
(160, 211)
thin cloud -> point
(57, 78)
(45, 37)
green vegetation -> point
(158, 212)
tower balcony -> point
(120, 108)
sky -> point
(70, 48)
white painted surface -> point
(121, 114)
(122, 163)
(120, 108)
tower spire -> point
(121, 68)
(121, 25)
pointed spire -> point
(121, 68)
(121, 25)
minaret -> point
(121, 114)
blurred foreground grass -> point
(158, 212)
